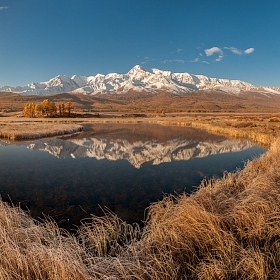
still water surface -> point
(122, 167)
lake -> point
(124, 167)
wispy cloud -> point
(172, 61)
(210, 55)
(3, 8)
(239, 52)
(197, 59)
(146, 59)
(179, 60)
(234, 50)
(249, 51)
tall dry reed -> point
(30, 250)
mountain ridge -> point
(138, 79)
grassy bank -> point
(261, 128)
(228, 229)
(31, 130)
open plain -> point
(228, 229)
(249, 115)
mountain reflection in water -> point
(122, 167)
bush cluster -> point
(47, 109)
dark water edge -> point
(70, 189)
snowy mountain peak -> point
(139, 68)
(138, 79)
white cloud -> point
(220, 53)
(239, 52)
(215, 50)
(212, 51)
(219, 58)
(179, 50)
(249, 51)
(3, 8)
(234, 50)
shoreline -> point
(260, 128)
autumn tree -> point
(69, 108)
(65, 109)
(29, 110)
(61, 110)
(47, 109)
(38, 110)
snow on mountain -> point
(137, 79)
(136, 153)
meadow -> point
(228, 229)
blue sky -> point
(40, 39)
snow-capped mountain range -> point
(137, 79)
(138, 152)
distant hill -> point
(135, 102)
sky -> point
(231, 39)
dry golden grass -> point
(29, 130)
(228, 229)
(257, 127)
(261, 128)
(30, 250)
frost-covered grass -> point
(228, 229)
(29, 130)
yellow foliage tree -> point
(47, 109)
(69, 108)
(29, 110)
